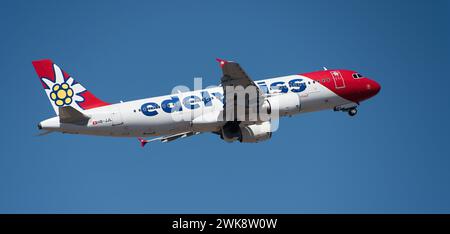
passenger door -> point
(339, 82)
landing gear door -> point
(338, 80)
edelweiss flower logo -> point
(62, 91)
(61, 94)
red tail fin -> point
(62, 89)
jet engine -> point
(232, 131)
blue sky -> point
(393, 157)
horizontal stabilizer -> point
(68, 114)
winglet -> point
(143, 141)
(222, 62)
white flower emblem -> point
(63, 92)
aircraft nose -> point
(373, 87)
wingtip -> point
(222, 62)
(142, 141)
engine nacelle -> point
(233, 131)
(284, 104)
(256, 132)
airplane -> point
(221, 110)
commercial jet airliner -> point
(239, 109)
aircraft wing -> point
(168, 138)
(235, 76)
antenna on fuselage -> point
(325, 68)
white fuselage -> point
(193, 111)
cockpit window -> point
(357, 75)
